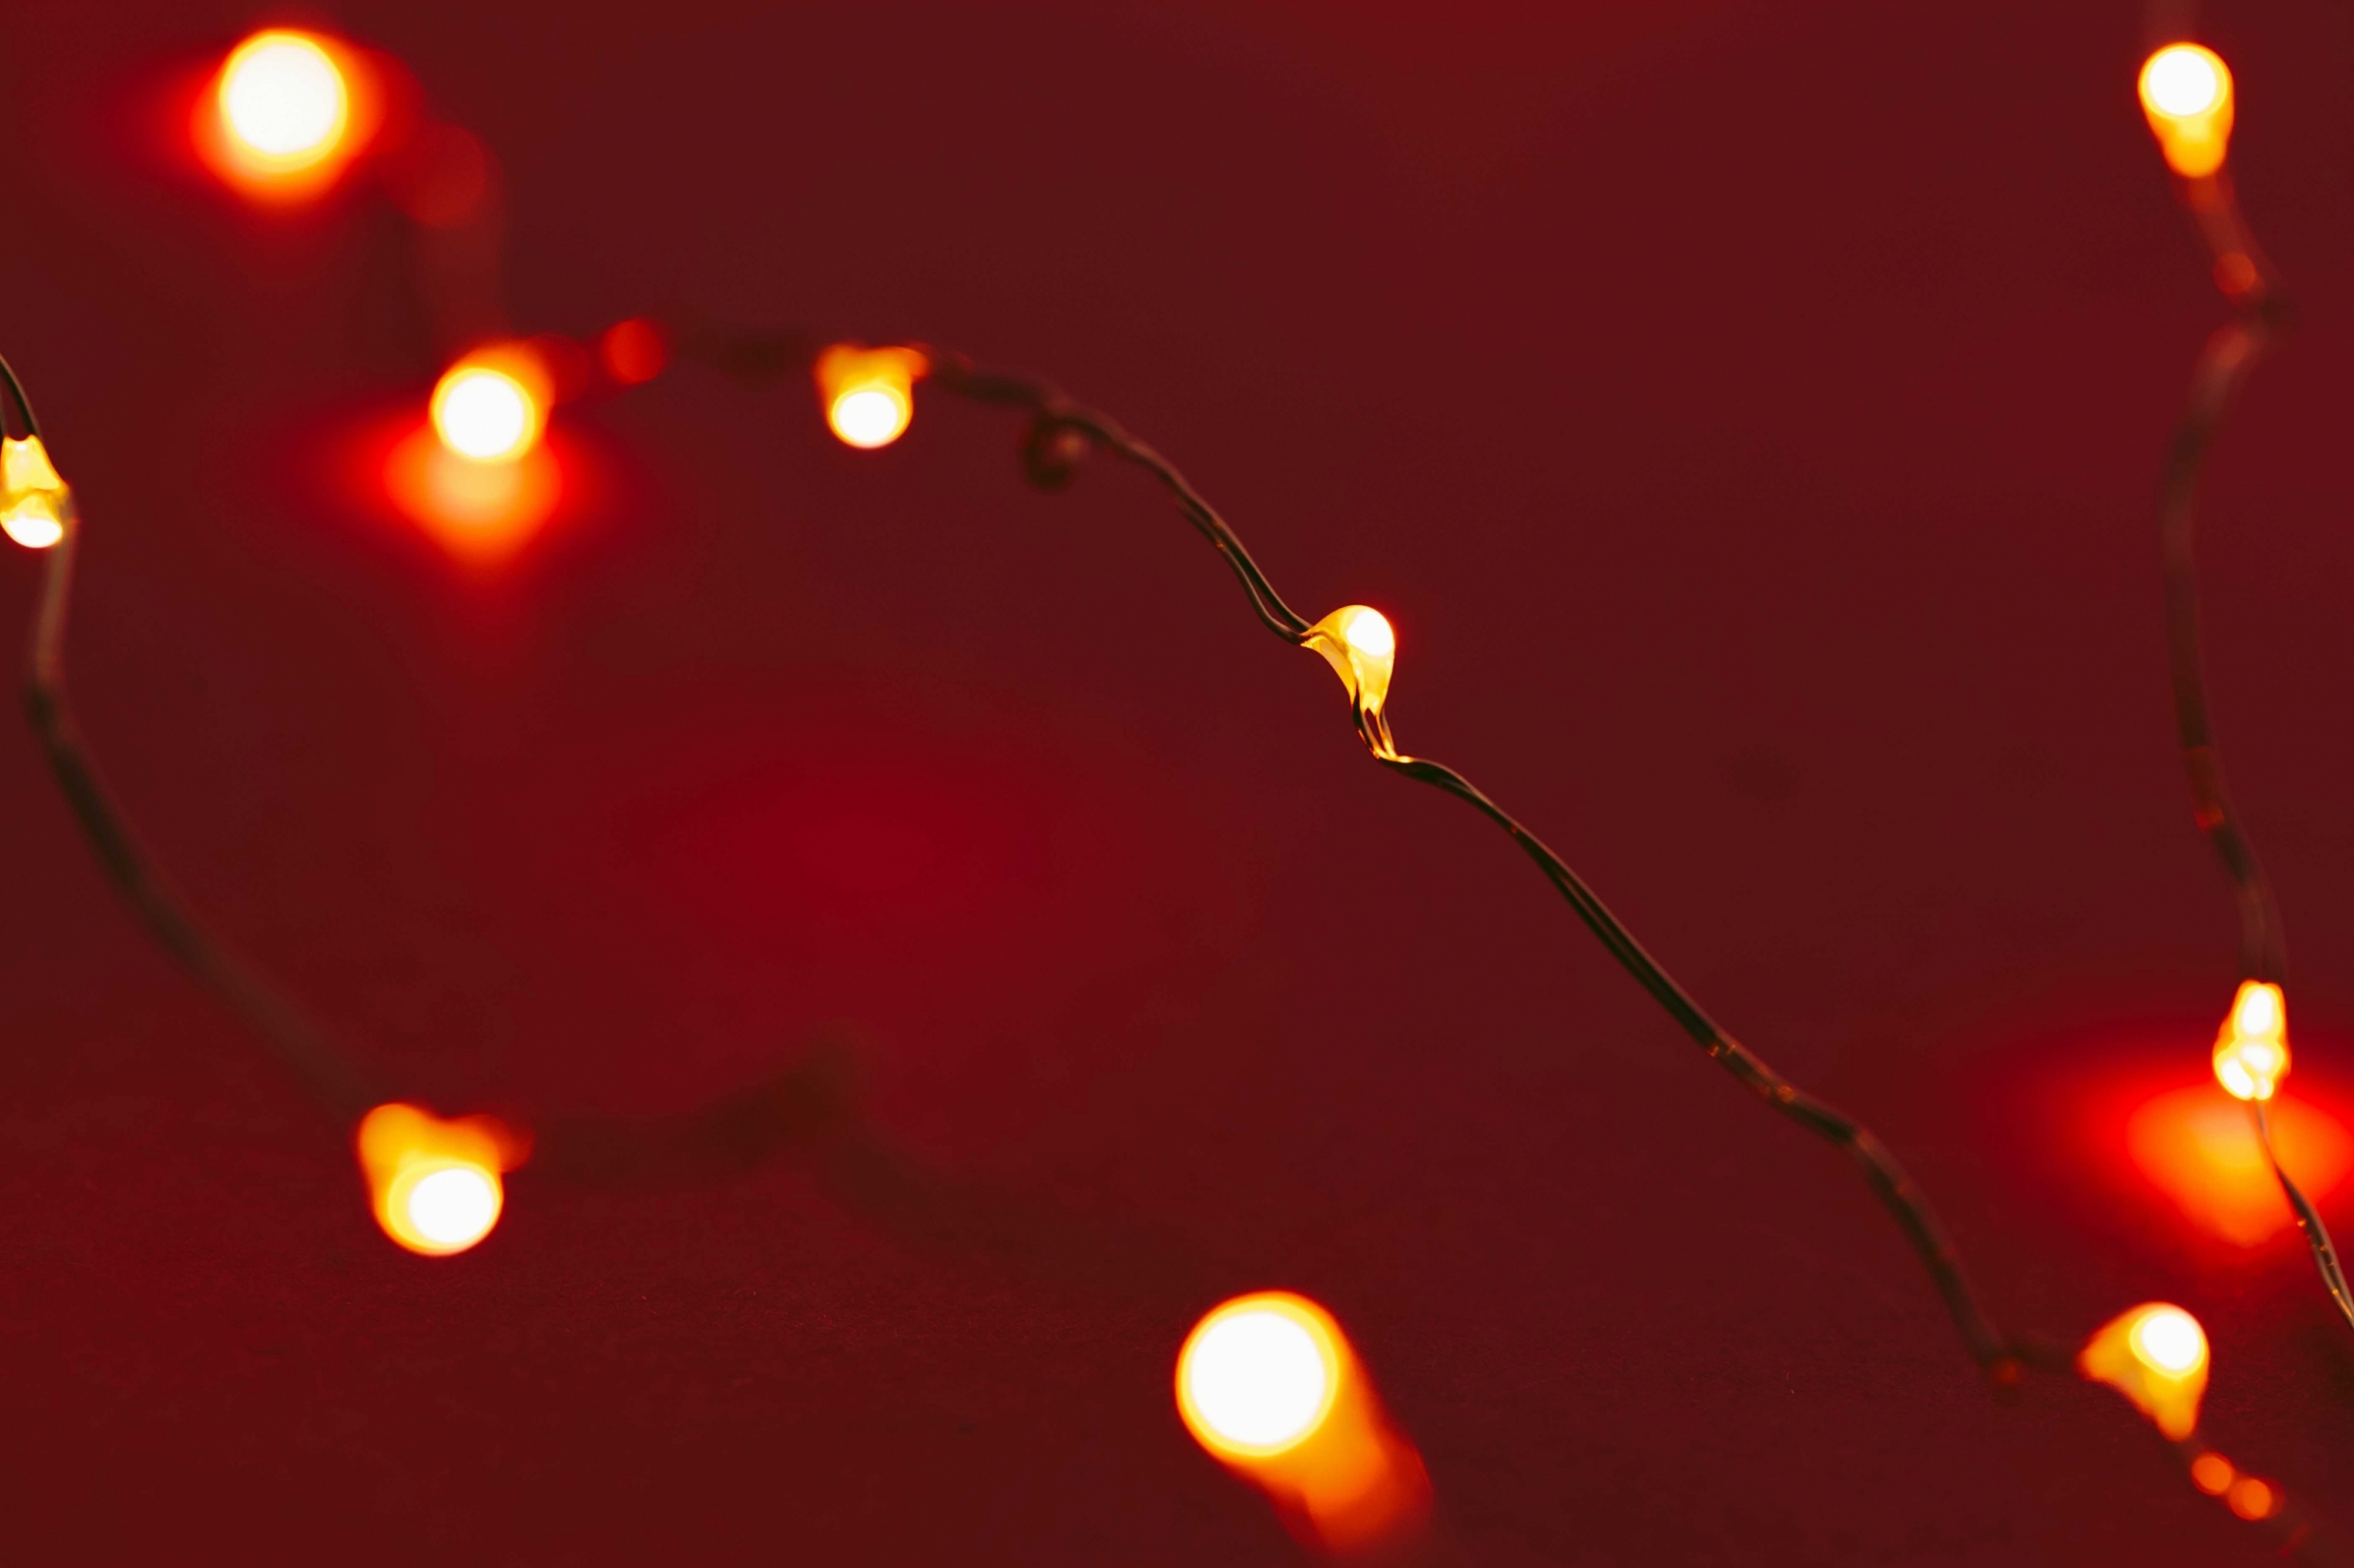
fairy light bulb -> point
(2186, 94)
(1361, 646)
(2252, 1049)
(434, 1184)
(34, 501)
(284, 102)
(1268, 1385)
(868, 393)
(1258, 1376)
(487, 412)
(2156, 1356)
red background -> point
(1748, 415)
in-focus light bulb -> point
(34, 501)
(434, 1184)
(486, 412)
(2252, 1049)
(868, 393)
(1258, 1376)
(2156, 1356)
(2186, 94)
(1357, 641)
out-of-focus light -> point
(481, 512)
(632, 351)
(2156, 1356)
(287, 111)
(2252, 1050)
(34, 501)
(2212, 1473)
(434, 1184)
(868, 393)
(1358, 642)
(486, 413)
(2197, 1145)
(2252, 1499)
(1269, 1386)
(1258, 1376)
(2186, 94)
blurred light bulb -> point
(868, 393)
(486, 412)
(284, 102)
(434, 1184)
(2156, 1356)
(2252, 1049)
(2186, 94)
(34, 501)
(633, 350)
(1258, 1376)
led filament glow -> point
(434, 1184)
(1357, 641)
(2186, 94)
(2156, 1356)
(2252, 1049)
(1267, 1384)
(868, 393)
(35, 504)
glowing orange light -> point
(2252, 1050)
(2196, 1146)
(479, 511)
(2212, 1473)
(434, 1184)
(287, 111)
(1358, 642)
(2156, 1356)
(2186, 94)
(2252, 1499)
(1269, 1386)
(632, 351)
(868, 393)
(35, 504)
(485, 409)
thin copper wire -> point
(2260, 309)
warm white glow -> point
(2182, 80)
(2170, 1340)
(1369, 634)
(485, 415)
(282, 97)
(870, 416)
(33, 523)
(454, 1207)
(1258, 1379)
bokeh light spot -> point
(283, 101)
(2196, 1146)
(1257, 1376)
(485, 415)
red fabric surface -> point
(1748, 416)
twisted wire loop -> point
(792, 1109)
(1062, 430)
(2260, 314)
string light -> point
(34, 502)
(1269, 1386)
(1268, 1381)
(868, 393)
(434, 1184)
(2185, 92)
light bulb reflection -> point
(2186, 94)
